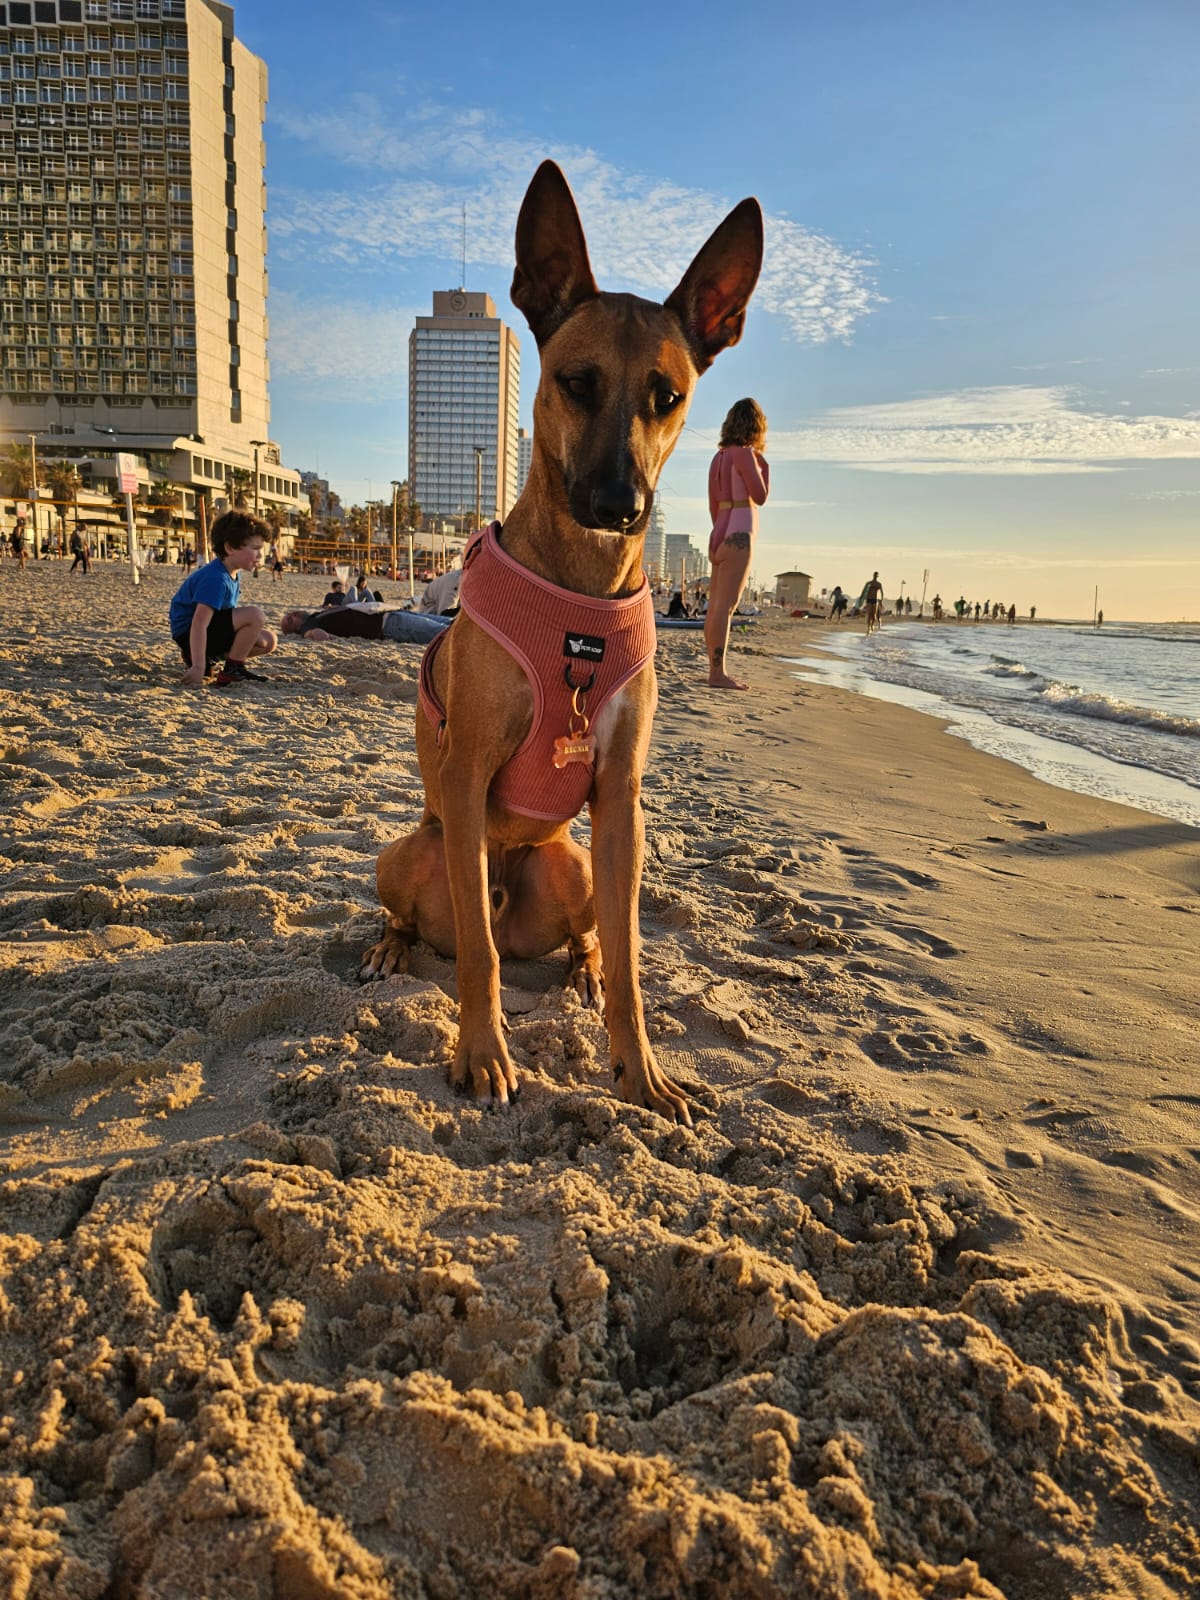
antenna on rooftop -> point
(463, 279)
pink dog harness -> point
(576, 653)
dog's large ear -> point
(553, 273)
(713, 294)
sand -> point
(914, 1309)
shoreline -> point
(1058, 762)
(912, 1310)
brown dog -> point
(477, 880)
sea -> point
(1112, 711)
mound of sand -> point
(910, 1312)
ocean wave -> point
(1002, 667)
(1067, 697)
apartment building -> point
(464, 375)
(682, 561)
(656, 542)
(133, 284)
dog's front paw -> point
(642, 1082)
(485, 1073)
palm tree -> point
(62, 479)
(17, 468)
(238, 481)
(163, 499)
(16, 473)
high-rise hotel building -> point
(133, 284)
(464, 375)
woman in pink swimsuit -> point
(738, 480)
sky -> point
(977, 332)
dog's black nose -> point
(616, 505)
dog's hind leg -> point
(410, 875)
(391, 954)
(550, 904)
(570, 871)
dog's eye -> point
(580, 385)
(666, 399)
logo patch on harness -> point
(583, 647)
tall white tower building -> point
(464, 375)
(656, 541)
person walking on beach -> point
(206, 619)
(16, 540)
(1012, 616)
(738, 483)
(872, 597)
(80, 551)
(276, 564)
(837, 602)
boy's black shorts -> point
(220, 636)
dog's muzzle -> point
(612, 508)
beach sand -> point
(914, 1309)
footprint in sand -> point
(923, 939)
(914, 1052)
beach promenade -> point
(912, 1312)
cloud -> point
(880, 552)
(642, 231)
(1018, 430)
(962, 408)
(1169, 494)
(354, 347)
(994, 469)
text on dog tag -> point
(570, 747)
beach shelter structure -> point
(792, 589)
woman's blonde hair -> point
(746, 424)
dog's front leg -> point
(481, 1061)
(618, 846)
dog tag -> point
(571, 747)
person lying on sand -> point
(363, 622)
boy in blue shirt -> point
(206, 620)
